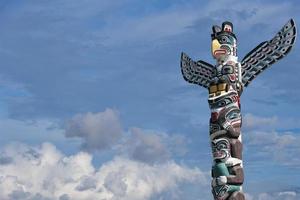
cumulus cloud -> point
(151, 146)
(251, 121)
(262, 136)
(146, 147)
(286, 195)
(102, 131)
(97, 130)
(45, 173)
(268, 138)
(271, 138)
(136, 180)
(282, 147)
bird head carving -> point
(223, 42)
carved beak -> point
(215, 45)
(216, 50)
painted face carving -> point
(230, 117)
(224, 101)
(221, 149)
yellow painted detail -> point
(215, 45)
(213, 89)
(216, 90)
(222, 87)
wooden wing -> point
(199, 72)
(268, 52)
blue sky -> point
(99, 82)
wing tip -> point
(292, 21)
(181, 54)
(295, 28)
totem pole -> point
(225, 82)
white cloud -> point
(102, 131)
(248, 196)
(37, 131)
(283, 195)
(249, 13)
(287, 195)
(261, 133)
(151, 27)
(283, 148)
(279, 146)
(151, 146)
(45, 173)
(136, 180)
(251, 121)
(176, 20)
(146, 147)
(97, 130)
(254, 122)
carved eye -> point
(222, 103)
(228, 101)
(223, 39)
(233, 115)
(221, 146)
(227, 69)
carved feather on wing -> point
(268, 52)
(199, 72)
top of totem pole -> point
(224, 51)
(223, 46)
(226, 29)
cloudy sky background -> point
(93, 104)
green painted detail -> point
(221, 190)
(220, 169)
(234, 188)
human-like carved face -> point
(233, 118)
(221, 149)
(229, 117)
(230, 99)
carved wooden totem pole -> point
(225, 82)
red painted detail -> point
(227, 29)
(218, 154)
(219, 52)
(235, 98)
(230, 63)
(232, 77)
(236, 124)
(239, 101)
(214, 116)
